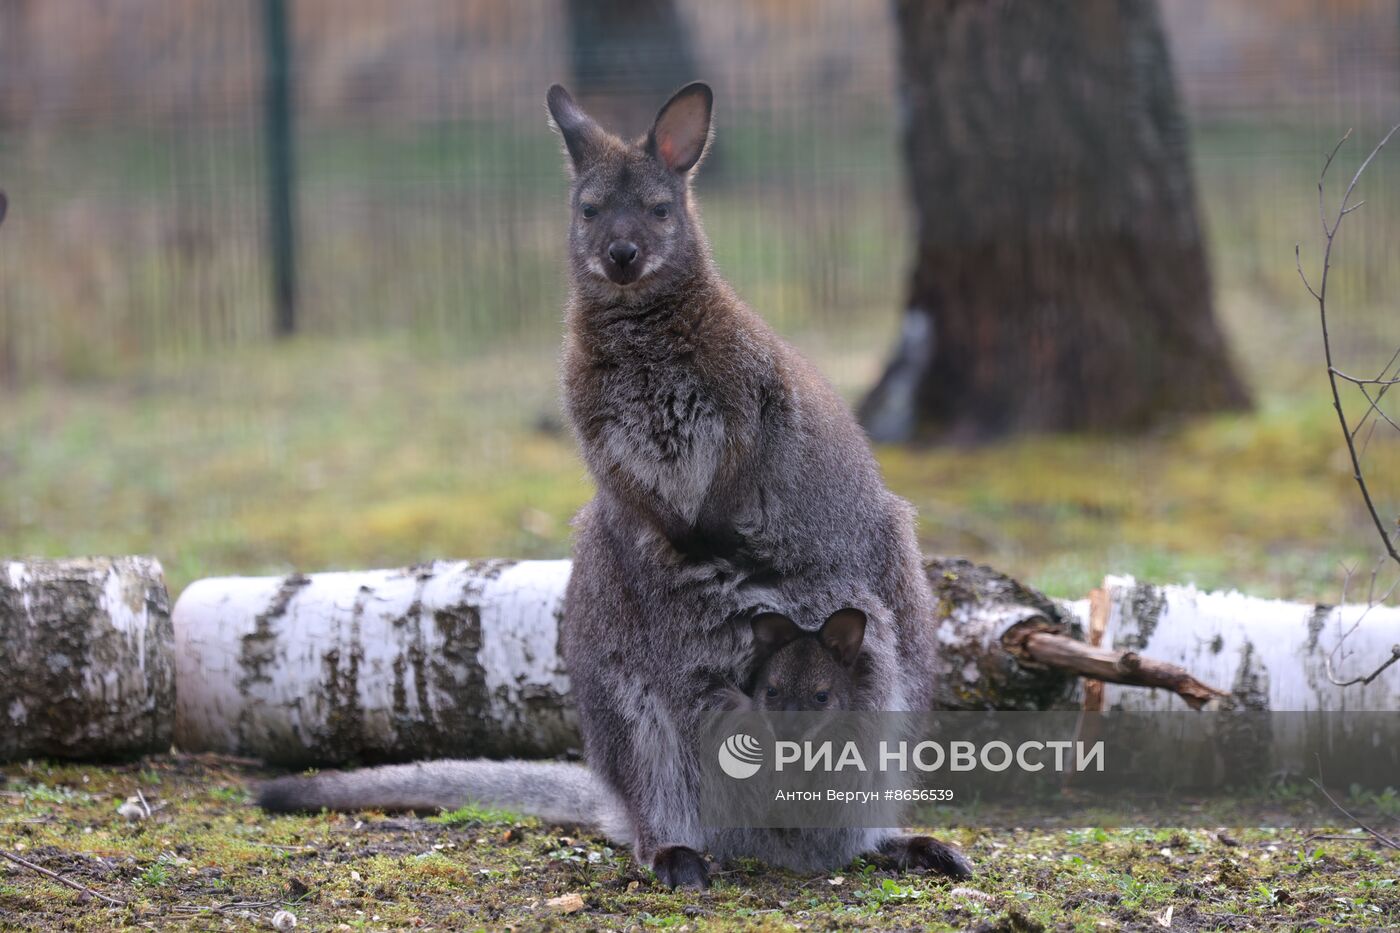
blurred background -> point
(281, 280)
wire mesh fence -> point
(429, 187)
(429, 239)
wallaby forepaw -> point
(928, 854)
(681, 867)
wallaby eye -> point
(772, 692)
(661, 210)
(589, 212)
(822, 696)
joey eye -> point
(771, 692)
(661, 210)
(589, 212)
(821, 696)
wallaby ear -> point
(772, 630)
(581, 134)
(842, 634)
(682, 128)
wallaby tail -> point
(553, 791)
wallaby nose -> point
(622, 252)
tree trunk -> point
(461, 659)
(86, 666)
(628, 57)
(1059, 281)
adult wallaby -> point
(732, 481)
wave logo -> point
(740, 756)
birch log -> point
(461, 658)
(1269, 654)
(86, 661)
(439, 660)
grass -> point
(322, 453)
(207, 860)
(418, 419)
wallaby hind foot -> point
(681, 867)
(928, 854)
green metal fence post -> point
(281, 170)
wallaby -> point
(732, 481)
(799, 671)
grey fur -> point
(732, 481)
(799, 671)
(554, 791)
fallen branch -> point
(55, 876)
(1035, 644)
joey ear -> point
(581, 134)
(772, 630)
(842, 634)
(682, 128)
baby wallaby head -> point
(805, 672)
(633, 229)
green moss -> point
(205, 848)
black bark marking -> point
(1251, 687)
(257, 652)
(459, 683)
(415, 731)
(344, 737)
(1321, 612)
(1243, 742)
(1145, 605)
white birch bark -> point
(1269, 654)
(444, 659)
(86, 660)
(462, 659)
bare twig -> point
(1371, 602)
(1036, 644)
(144, 805)
(1394, 656)
(219, 908)
(1333, 837)
(1334, 375)
(1378, 836)
(24, 863)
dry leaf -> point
(566, 903)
